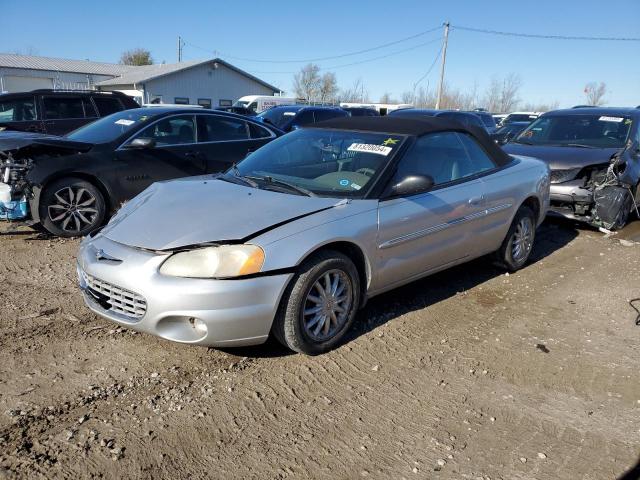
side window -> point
(327, 114)
(107, 105)
(218, 128)
(257, 131)
(479, 160)
(56, 108)
(171, 131)
(304, 118)
(19, 110)
(89, 110)
(440, 155)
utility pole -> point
(180, 44)
(444, 60)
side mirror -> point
(142, 142)
(412, 184)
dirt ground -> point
(469, 374)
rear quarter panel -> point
(511, 186)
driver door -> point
(176, 154)
(427, 231)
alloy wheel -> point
(327, 305)
(522, 240)
(74, 209)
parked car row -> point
(237, 227)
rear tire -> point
(319, 305)
(71, 207)
(516, 247)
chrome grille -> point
(122, 301)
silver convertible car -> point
(297, 236)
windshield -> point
(240, 103)
(332, 163)
(278, 116)
(520, 117)
(596, 131)
(108, 128)
(487, 120)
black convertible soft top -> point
(416, 127)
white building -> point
(210, 83)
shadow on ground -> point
(551, 236)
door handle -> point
(475, 201)
(192, 154)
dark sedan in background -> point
(468, 119)
(291, 117)
(511, 130)
(74, 183)
(594, 156)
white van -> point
(260, 103)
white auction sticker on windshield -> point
(370, 148)
(611, 119)
(125, 122)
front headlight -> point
(224, 261)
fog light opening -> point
(198, 325)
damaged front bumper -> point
(601, 195)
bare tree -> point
(595, 93)
(328, 87)
(386, 98)
(307, 82)
(407, 97)
(357, 93)
(136, 56)
(509, 92)
(541, 106)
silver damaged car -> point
(295, 238)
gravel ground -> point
(469, 374)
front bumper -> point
(123, 284)
(571, 199)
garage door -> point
(14, 83)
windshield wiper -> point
(291, 186)
(578, 145)
(244, 179)
(523, 142)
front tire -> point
(518, 243)
(319, 305)
(71, 207)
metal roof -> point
(31, 62)
(149, 72)
(124, 74)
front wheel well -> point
(534, 204)
(356, 255)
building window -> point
(226, 103)
(204, 102)
(181, 101)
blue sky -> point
(550, 69)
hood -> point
(562, 158)
(10, 140)
(196, 210)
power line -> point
(334, 67)
(319, 59)
(397, 52)
(552, 37)
(433, 64)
